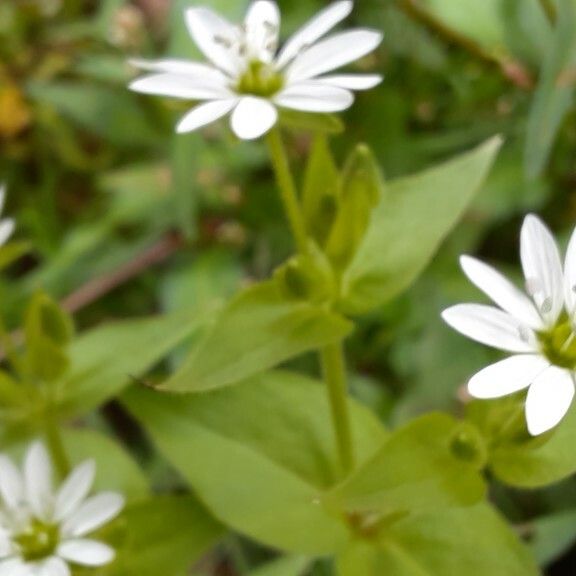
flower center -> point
(38, 541)
(260, 79)
(559, 345)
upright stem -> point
(287, 189)
(332, 357)
(334, 371)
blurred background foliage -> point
(123, 218)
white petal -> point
(53, 567)
(491, 326)
(352, 81)
(542, 268)
(6, 546)
(178, 86)
(6, 230)
(548, 400)
(205, 114)
(15, 567)
(38, 481)
(94, 513)
(502, 291)
(74, 490)
(314, 97)
(216, 37)
(86, 552)
(11, 483)
(317, 27)
(507, 376)
(262, 26)
(253, 117)
(332, 53)
(180, 68)
(570, 276)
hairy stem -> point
(334, 371)
(287, 187)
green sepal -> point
(308, 277)
(362, 189)
(48, 331)
(515, 457)
(321, 191)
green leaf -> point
(104, 359)
(263, 476)
(165, 536)
(258, 330)
(362, 190)
(473, 541)
(408, 226)
(552, 536)
(540, 461)
(116, 470)
(320, 191)
(554, 97)
(421, 466)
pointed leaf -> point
(473, 541)
(408, 226)
(262, 476)
(258, 330)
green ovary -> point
(559, 345)
(260, 79)
(39, 541)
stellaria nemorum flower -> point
(43, 531)
(538, 327)
(248, 76)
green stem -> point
(332, 357)
(287, 188)
(334, 371)
(56, 446)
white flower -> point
(538, 328)
(6, 225)
(248, 77)
(43, 531)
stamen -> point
(223, 41)
(524, 334)
(546, 306)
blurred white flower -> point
(539, 327)
(6, 225)
(43, 531)
(248, 77)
